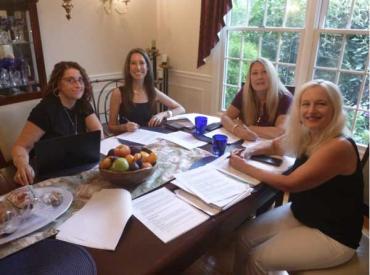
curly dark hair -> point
(148, 80)
(57, 74)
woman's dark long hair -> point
(148, 81)
(57, 75)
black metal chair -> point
(101, 104)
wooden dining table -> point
(139, 251)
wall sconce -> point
(67, 5)
(120, 6)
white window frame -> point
(307, 51)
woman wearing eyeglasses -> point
(135, 104)
(259, 109)
(64, 110)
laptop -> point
(67, 155)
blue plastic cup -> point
(219, 143)
(200, 124)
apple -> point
(120, 165)
(105, 163)
(146, 165)
(122, 150)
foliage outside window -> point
(275, 29)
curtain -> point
(211, 22)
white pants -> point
(276, 240)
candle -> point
(153, 43)
(164, 58)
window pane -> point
(239, 13)
(275, 13)
(230, 93)
(296, 11)
(350, 117)
(329, 50)
(270, 44)
(365, 96)
(233, 47)
(251, 44)
(360, 17)
(361, 132)
(286, 75)
(338, 14)
(257, 12)
(289, 47)
(349, 85)
(356, 52)
(245, 67)
(232, 74)
(325, 74)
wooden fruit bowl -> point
(127, 179)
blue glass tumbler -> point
(200, 125)
(219, 143)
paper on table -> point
(184, 139)
(166, 215)
(100, 223)
(230, 137)
(191, 117)
(107, 144)
(211, 185)
(141, 136)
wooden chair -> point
(359, 264)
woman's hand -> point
(157, 119)
(131, 126)
(237, 160)
(25, 174)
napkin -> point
(100, 223)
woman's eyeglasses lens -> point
(72, 81)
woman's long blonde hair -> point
(298, 138)
(276, 88)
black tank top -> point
(333, 207)
(139, 113)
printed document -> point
(100, 223)
(141, 136)
(184, 139)
(191, 117)
(166, 215)
(222, 131)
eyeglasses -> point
(73, 81)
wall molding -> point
(190, 75)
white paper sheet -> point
(100, 223)
(141, 136)
(166, 215)
(230, 137)
(107, 144)
(184, 139)
(191, 117)
(210, 185)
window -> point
(305, 40)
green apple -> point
(120, 165)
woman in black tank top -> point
(135, 104)
(321, 227)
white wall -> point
(100, 42)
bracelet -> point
(169, 113)
(234, 127)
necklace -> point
(260, 114)
(74, 125)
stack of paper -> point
(166, 215)
(191, 117)
(222, 131)
(100, 223)
(184, 139)
(211, 187)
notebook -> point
(67, 155)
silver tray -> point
(41, 215)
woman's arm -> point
(174, 107)
(231, 123)
(30, 134)
(336, 157)
(113, 123)
(272, 131)
(93, 124)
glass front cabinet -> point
(22, 69)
